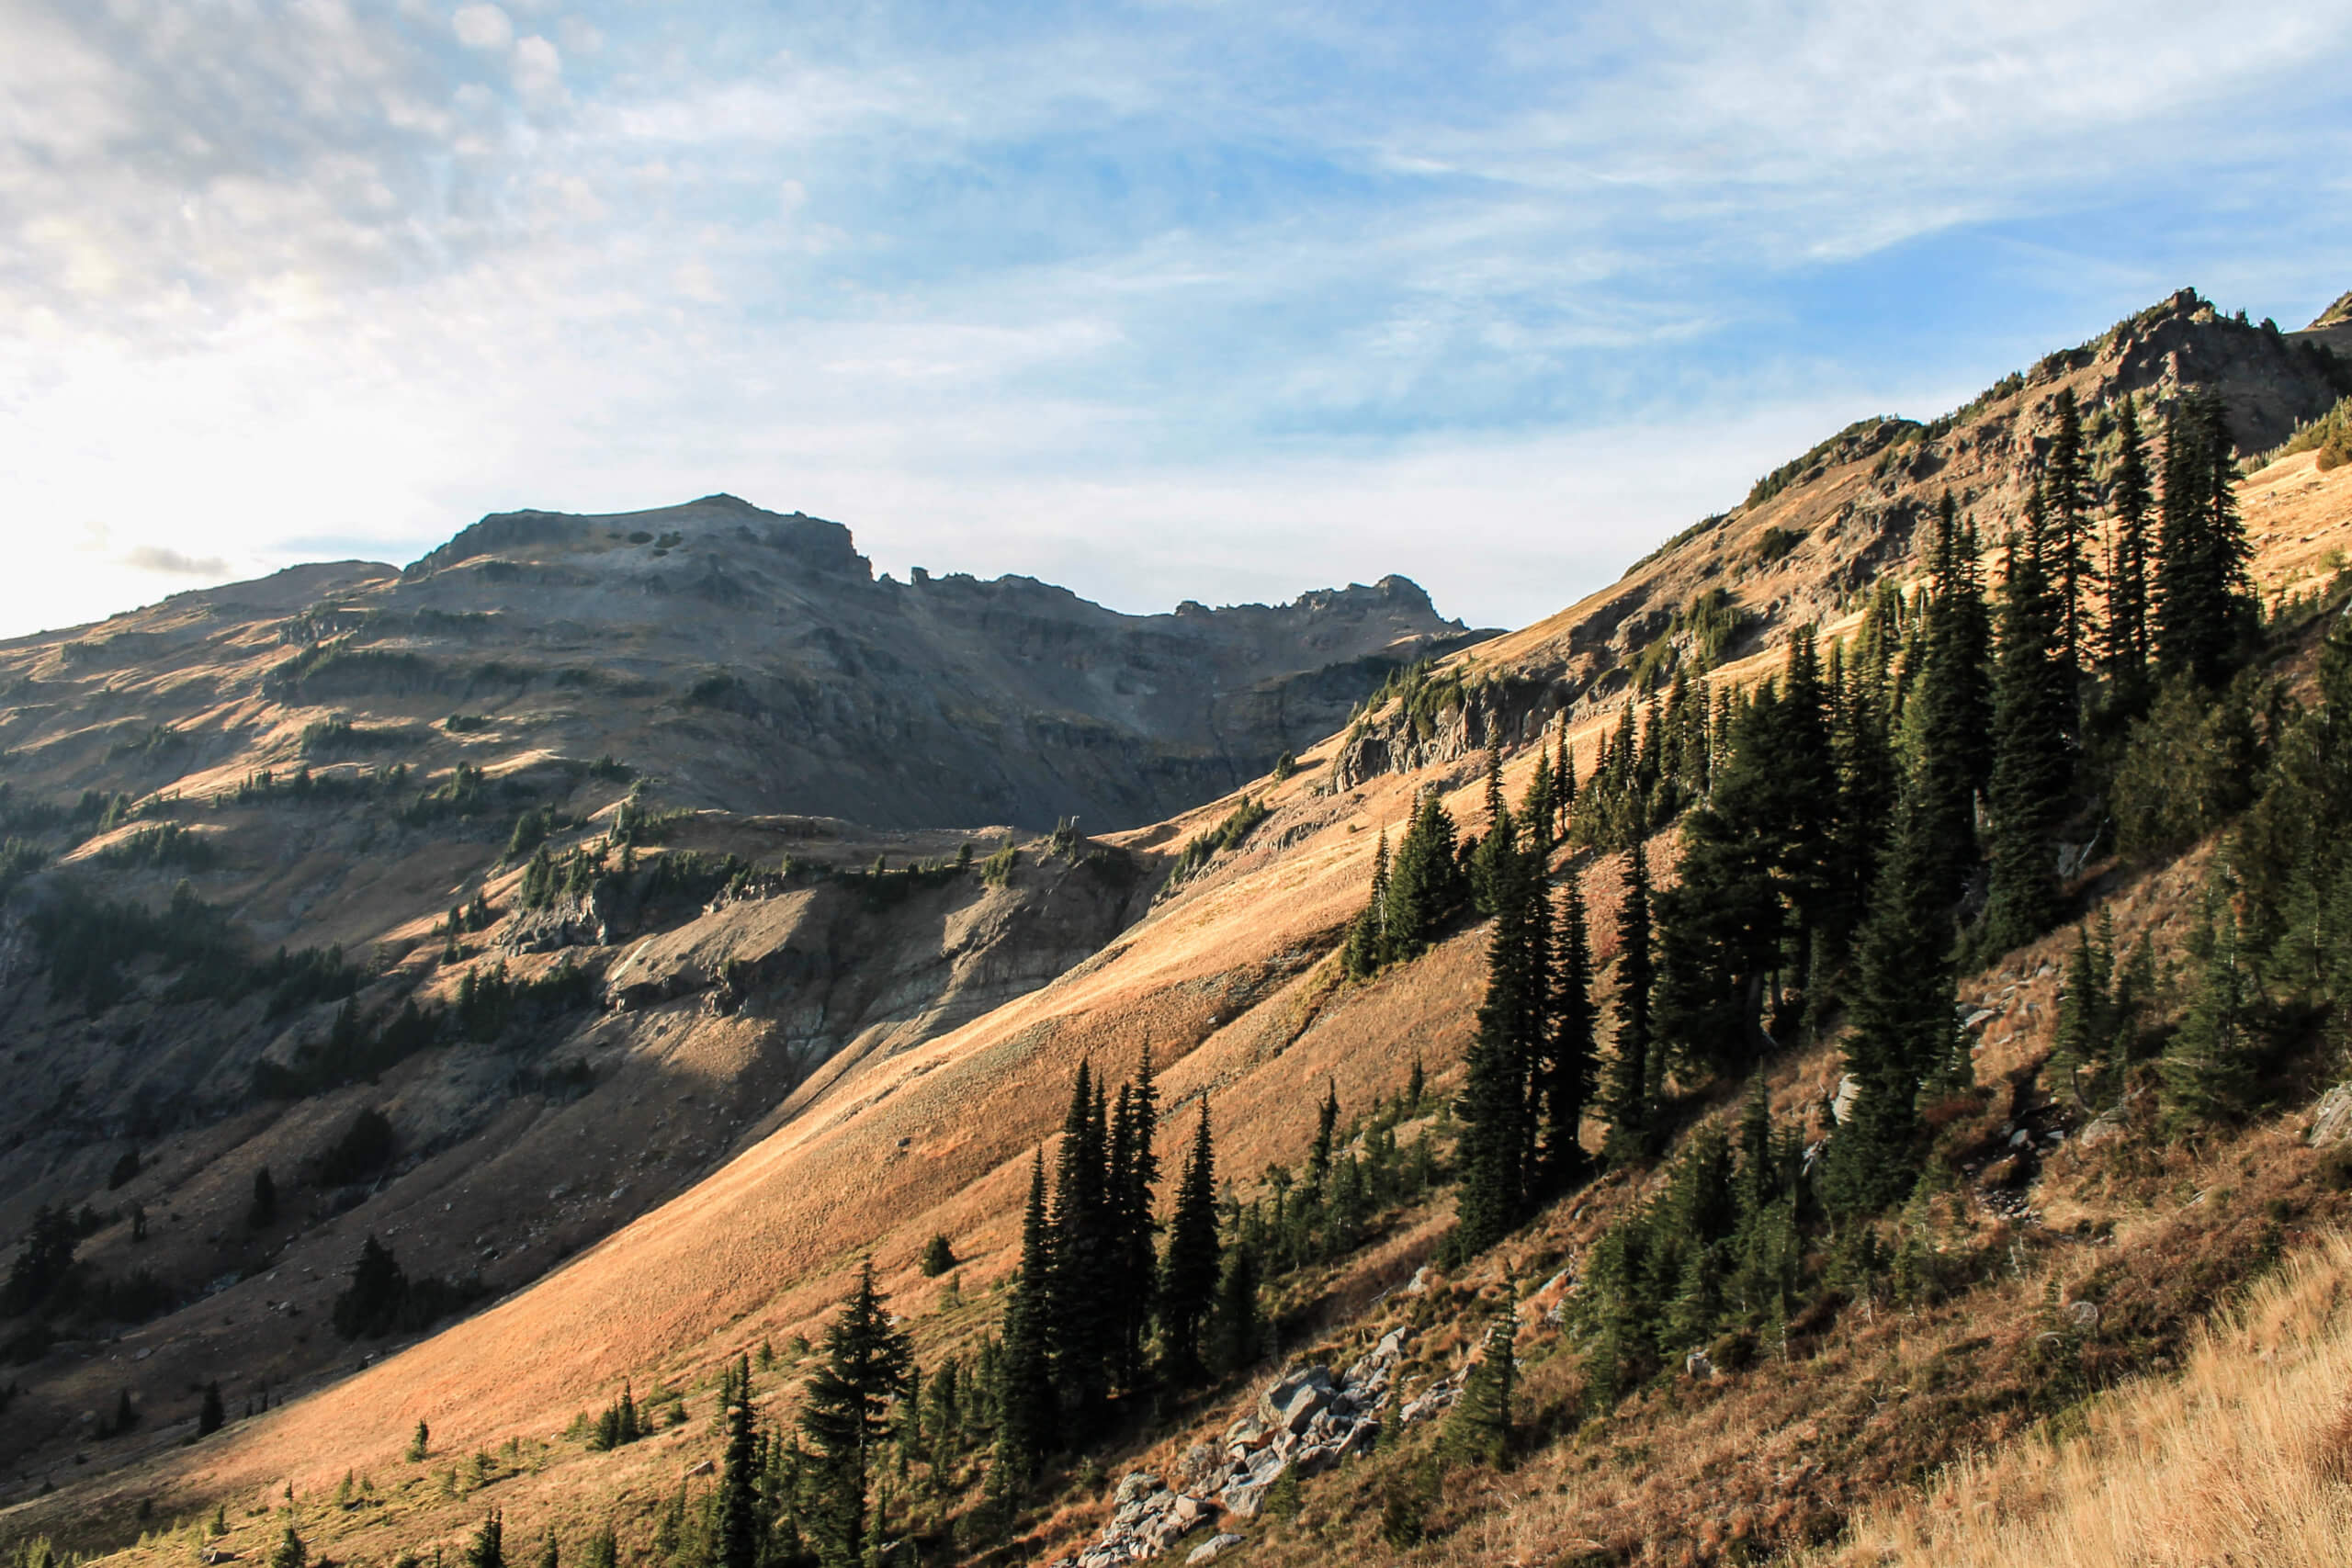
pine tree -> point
(2208, 1068)
(1234, 1326)
(1188, 1275)
(211, 1416)
(289, 1552)
(2084, 1024)
(2071, 568)
(741, 1528)
(1029, 1413)
(1425, 882)
(1956, 706)
(1478, 1429)
(845, 1417)
(550, 1554)
(2127, 569)
(1084, 1322)
(2032, 752)
(1626, 1101)
(1327, 1122)
(420, 1442)
(1367, 944)
(1494, 1107)
(488, 1547)
(263, 1207)
(1568, 1069)
(1902, 1025)
(1138, 1173)
(2203, 608)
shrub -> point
(937, 1258)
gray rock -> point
(1841, 1104)
(1294, 1399)
(1244, 1498)
(1361, 1439)
(1135, 1484)
(1314, 1459)
(2332, 1118)
(2085, 1314)
(1212, 1549)
(1699, 1365)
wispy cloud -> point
(1288, 284)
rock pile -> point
(1305, 1420)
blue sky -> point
(1162, 301)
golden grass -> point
(2244, 1460)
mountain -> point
(751, 659)
(1212, 938)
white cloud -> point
(482, 27)
(538, 69)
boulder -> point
(1359, 1440)
(1212, 1549)
(1698, 1364)
(1198, 1462)
(1133, 1486)
(1246, 1433)
(1294, 1399)
(1314, 1459)
(2332, 1118)
(1841, 1104)
(1242, 1499)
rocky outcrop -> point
(1306, 1421)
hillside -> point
(1232, 979)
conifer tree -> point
(2203, 609)
(550, 1554)
(1028, 1401)
(1902, 1017)
(1424, 881)
(1626, 1099)
(845, 1416)
(2032, 752)
(1367, 944)
(291, 1552)
(2208, 1068)
(1188, 1275)
(1234, 1326)
(1956, 706)
(1084, 1255)
(2072, 570)
(1477, 1430)
(2126, 568)
(1135, 1174)
(488, 1547)
(1569, 1068)
(2084, 1020)
(211, 1416)
(1494, 1106)
(740, 1530)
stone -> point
(2332, 1118)
(1361, 1439)
(1247, 1433)
(1244, 1498)
(1419, 1282)
(1212, 1549)
(1841, 1104)
(1315, 1458)
(1699, 1365)
(1391, 1345)
(1135, 1484)
(2085, 1314)
(1293, 1400)
(1198, 1460)
(2104, 1128)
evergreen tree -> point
(549, 1555)
(1367, 943)
(2126, 568)
(938, 1256)
(488, 1547)
(1135, 1174)
(1494, 1105)
(741, 1529)
(263, 1207)
(2209, 1067)
(2203, 606)
(289, 1552)
(1477, 1430)
(1956, 706)
(211, 1416)
(1901, 1026)
(2084, 1024)
(1028, 1399)
(2032, 758)
(1627, 1100)
(1425, 882)
(1084, 1322)
(1234, 1326)
(1188, 1275)
(1568, 1069)
(1327, 1123)
(2071, 568)
(845, 1416)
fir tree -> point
(2203, 608)
(289, 1552)
(1027, 1379)
(1494, 1107)
(2032, 762)
(1568, 1069)
(2209, 1067)
(1425, 884)
(1626, 1099)
(549, 1555)
(1478, 1429)
(2071, 568)
(740, 1526)
(2084, 1024)
(1234, 1326)
(1955, 708)
(213, 1415)
(263, 1207)
(2126, 567)
(1188, 1275)
(1084, 1320)
(845, 1416)
(488, 1547)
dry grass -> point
(2246, 1458)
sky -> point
(1161, 300)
